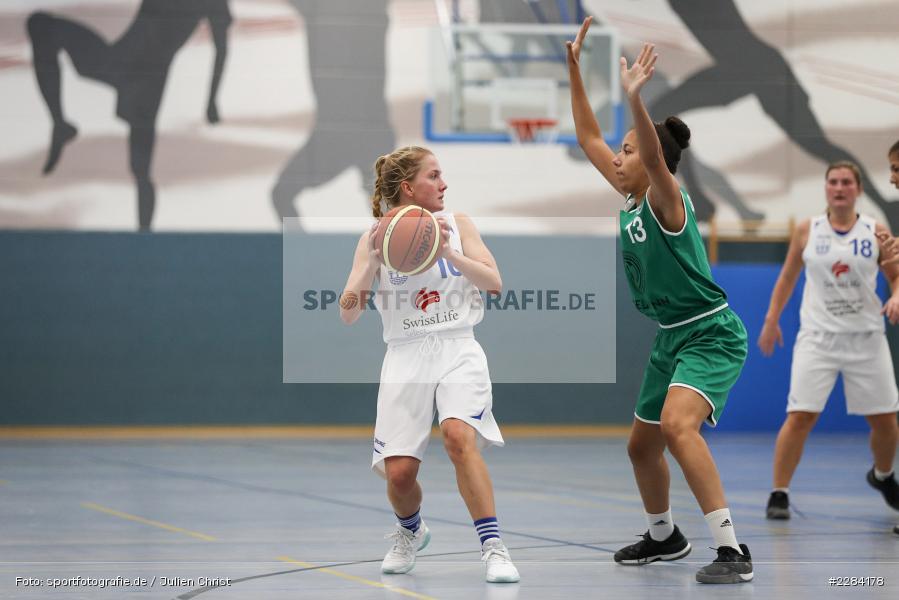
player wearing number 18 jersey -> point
(701, 344)
(841, 331)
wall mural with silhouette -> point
(227, 115)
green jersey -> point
(668, 272)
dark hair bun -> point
(679, 131)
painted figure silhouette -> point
(744, 65)
(348, 68)
(136, 65)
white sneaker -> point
(401, 556)
(499, 564)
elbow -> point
(586, 138)
(348, 316)
(496, 287)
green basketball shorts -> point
(705, 356)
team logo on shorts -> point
(424, 298)
(822, 244)
(838, 268)
(396, 278)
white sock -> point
(661, 526)
(881, 476)
(785, 490)
(722, 529)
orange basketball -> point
(408, 237)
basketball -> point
(408, 237)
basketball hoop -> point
(533, 130)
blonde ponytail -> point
(379, 181)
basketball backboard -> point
(483, 75)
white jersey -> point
(440, 300)
(840, 293)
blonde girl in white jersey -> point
(841, 331)
(433, 363)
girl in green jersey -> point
(701, 345)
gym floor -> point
(305, 518)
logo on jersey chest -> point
(396, 278)
(838, 268)
(424, 298)
(822, 244)
(445, 267)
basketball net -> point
(533, 130)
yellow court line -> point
(347, 576)
(116, 513)
(207, 432)
(90, 432)
(565, 431)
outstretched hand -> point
(633, 78)
(574, 48)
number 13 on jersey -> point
(635, 230)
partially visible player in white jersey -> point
(841, 331)
(433, 363)
(891, 244)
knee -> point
(402, 478)
(801, 421)
(37, 23)
(139, 162)
(458, 439)
(640, 452)
(675, 430)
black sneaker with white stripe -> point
(649, 550)
(729, 567)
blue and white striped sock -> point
(412, 523)
(487, 527)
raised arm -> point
(589, 135)
(219, 21)
(476, 262)
(665, 196)
(783, 289)
(889, 264)
(366, 262)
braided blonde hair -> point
(391, 170)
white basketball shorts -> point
(443, 375)
(863, 359)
